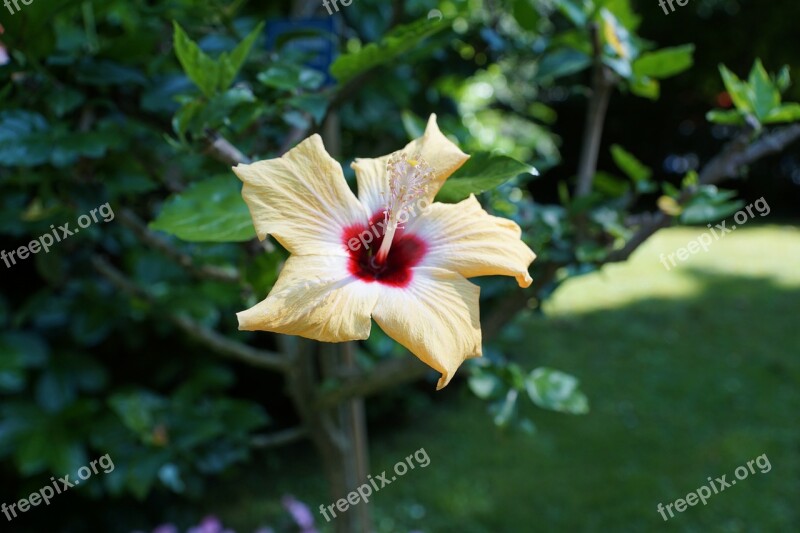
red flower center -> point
(362, 242)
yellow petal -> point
(317, 298)
(301, 199)
(435, 317)
(436, 149)
(372, 182)
(440, 153)
(466, 239)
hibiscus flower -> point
(390, 254)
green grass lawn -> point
(690, 374)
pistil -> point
(408, 181)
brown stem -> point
(602, 86)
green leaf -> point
(562, 62)
(395, 43)
(108, 73)
(709, 204)
(702, 213)
(233, 62)
(783, 113)
(525, 13)
(765, 95)
(184, 117)
(737, 89)
(289, 77)
(665, 62)
(505, 410)
(670, 190)
(631, 166)
(645, 87)
(542, 113)
(262, 273)
(64, 99)
(222, 105)
(209, 211)
(620, 66)
(140, 479)
(19, 352)
(624, 12)
(485, 385)
(515, 375)
(200, 68)
(209, 75)
(24, 138)
(557, 391)
(730, 117)
(610, 185)
(32, 29)
(281, 77)
(573, 12)
(691, 179)
(28, 140)
(482, 172)
(37, 448)
(315, 105)
(170, 476)
(784, 79)
(138, 410)
(55, 391)
(590, 252)
(414, 126)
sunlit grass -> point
(766, 251)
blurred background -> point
(611, 386)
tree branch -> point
(726, 164)
(510, 305)
(213, 340)
(279, 438)
(382, 376)
(228, 348)
(140, 230)
(222, 150)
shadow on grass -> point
(681, 390)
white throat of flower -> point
(409, 180)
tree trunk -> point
(338, 434)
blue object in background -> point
(313, 37)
